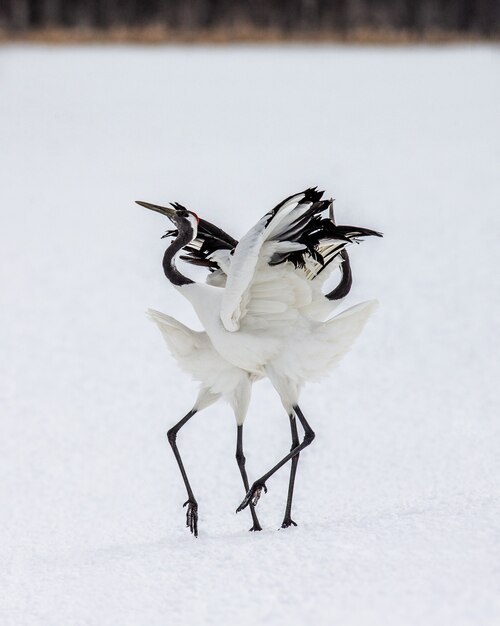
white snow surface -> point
(397, 499)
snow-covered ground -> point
(397, 499)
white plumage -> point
(264, 314)
(195, 354)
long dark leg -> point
(287, 520)
(240, 459)
(192, 505)
(255, 490)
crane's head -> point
(185, 221)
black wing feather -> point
(312, 229)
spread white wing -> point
(254, 286)
(278, 269)
(261, 290)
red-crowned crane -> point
(264, 314)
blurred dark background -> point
(253, 19)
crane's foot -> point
(252, 496)
(255, 527)
(287, 522)
(192, 516)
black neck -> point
(344, 287)
(171, 272)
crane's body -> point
(264, 313)
(195, 354)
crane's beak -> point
(168, 212)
